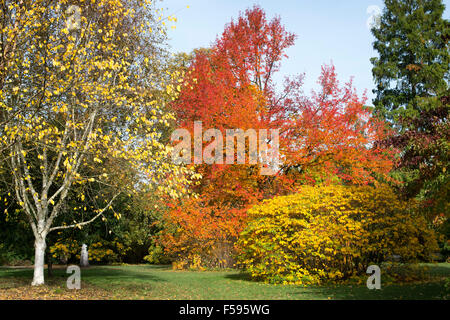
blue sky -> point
(327, 30)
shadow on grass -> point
(103, 275)
(441, 270)
(107, 275)
(242, 276)
(160, 282)
(434, 290)
(417, 291)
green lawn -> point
(160, 282)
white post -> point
(84, 258)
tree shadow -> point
(121, 274)
(442, 270)
(106, 275)
(242, 276)
(159, 267)
(418, 291)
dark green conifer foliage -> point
(411, 71)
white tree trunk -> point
(39, 256)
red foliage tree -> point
(332, 136)
(230, 86)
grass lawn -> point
(160, 282)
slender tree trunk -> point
(39, 257)
(49, 265)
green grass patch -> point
(161, 282)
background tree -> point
(330, 137)
(227, 86)
(231, 86)
(413, 59)
(412, 74)
(128, 236)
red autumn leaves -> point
(332, 134)
(327, 137)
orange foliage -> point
(329, 136)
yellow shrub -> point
(331, 233)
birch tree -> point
(77, 91)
